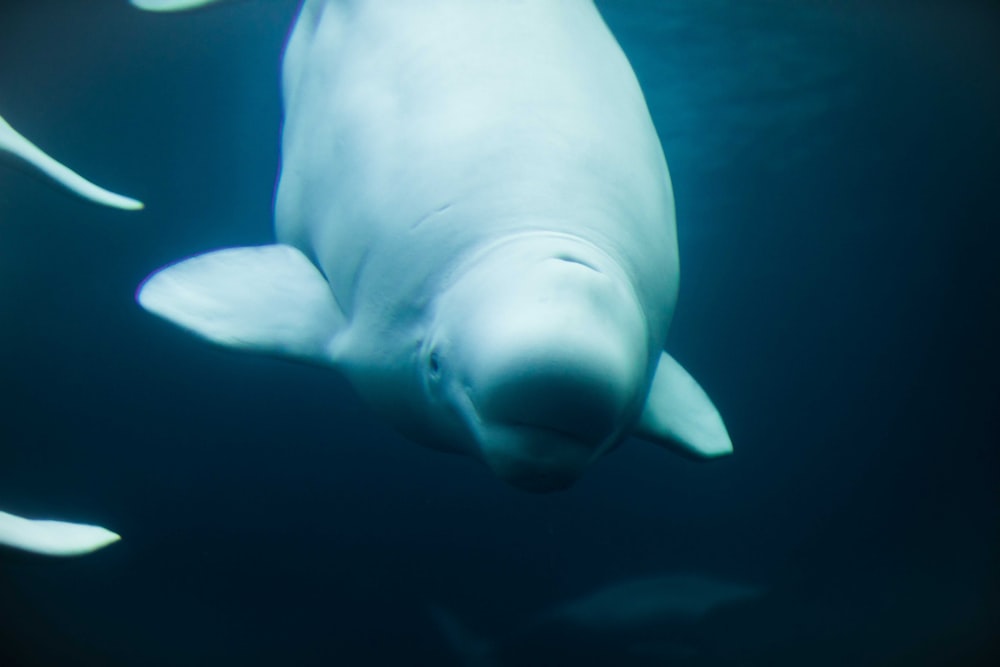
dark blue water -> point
(837, 170)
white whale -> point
(475, 225)
(648, 620)
(11, 141)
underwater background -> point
(836, 167)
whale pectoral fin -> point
(171, 5)
(53, 538)
(13, 142)
(678, 414)
(267, 299)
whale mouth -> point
(532, 456)
(537, 458)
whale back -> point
(416, 133)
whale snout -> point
(533, 459)
(554, 365)
(566, 382)
(551, 402)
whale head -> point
(536, 359)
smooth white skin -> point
(13, 142)
(455, 168)
(53, 538)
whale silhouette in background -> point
(475, 225)
(645, 620)
(55, 538)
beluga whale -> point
(659, 619)
(474, 224)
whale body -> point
(652, 620)
(475, 225)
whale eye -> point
(434, 364)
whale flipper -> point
(16, 144)
(53, 538)
(268, 299)
(679, 414)
(171, 5)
